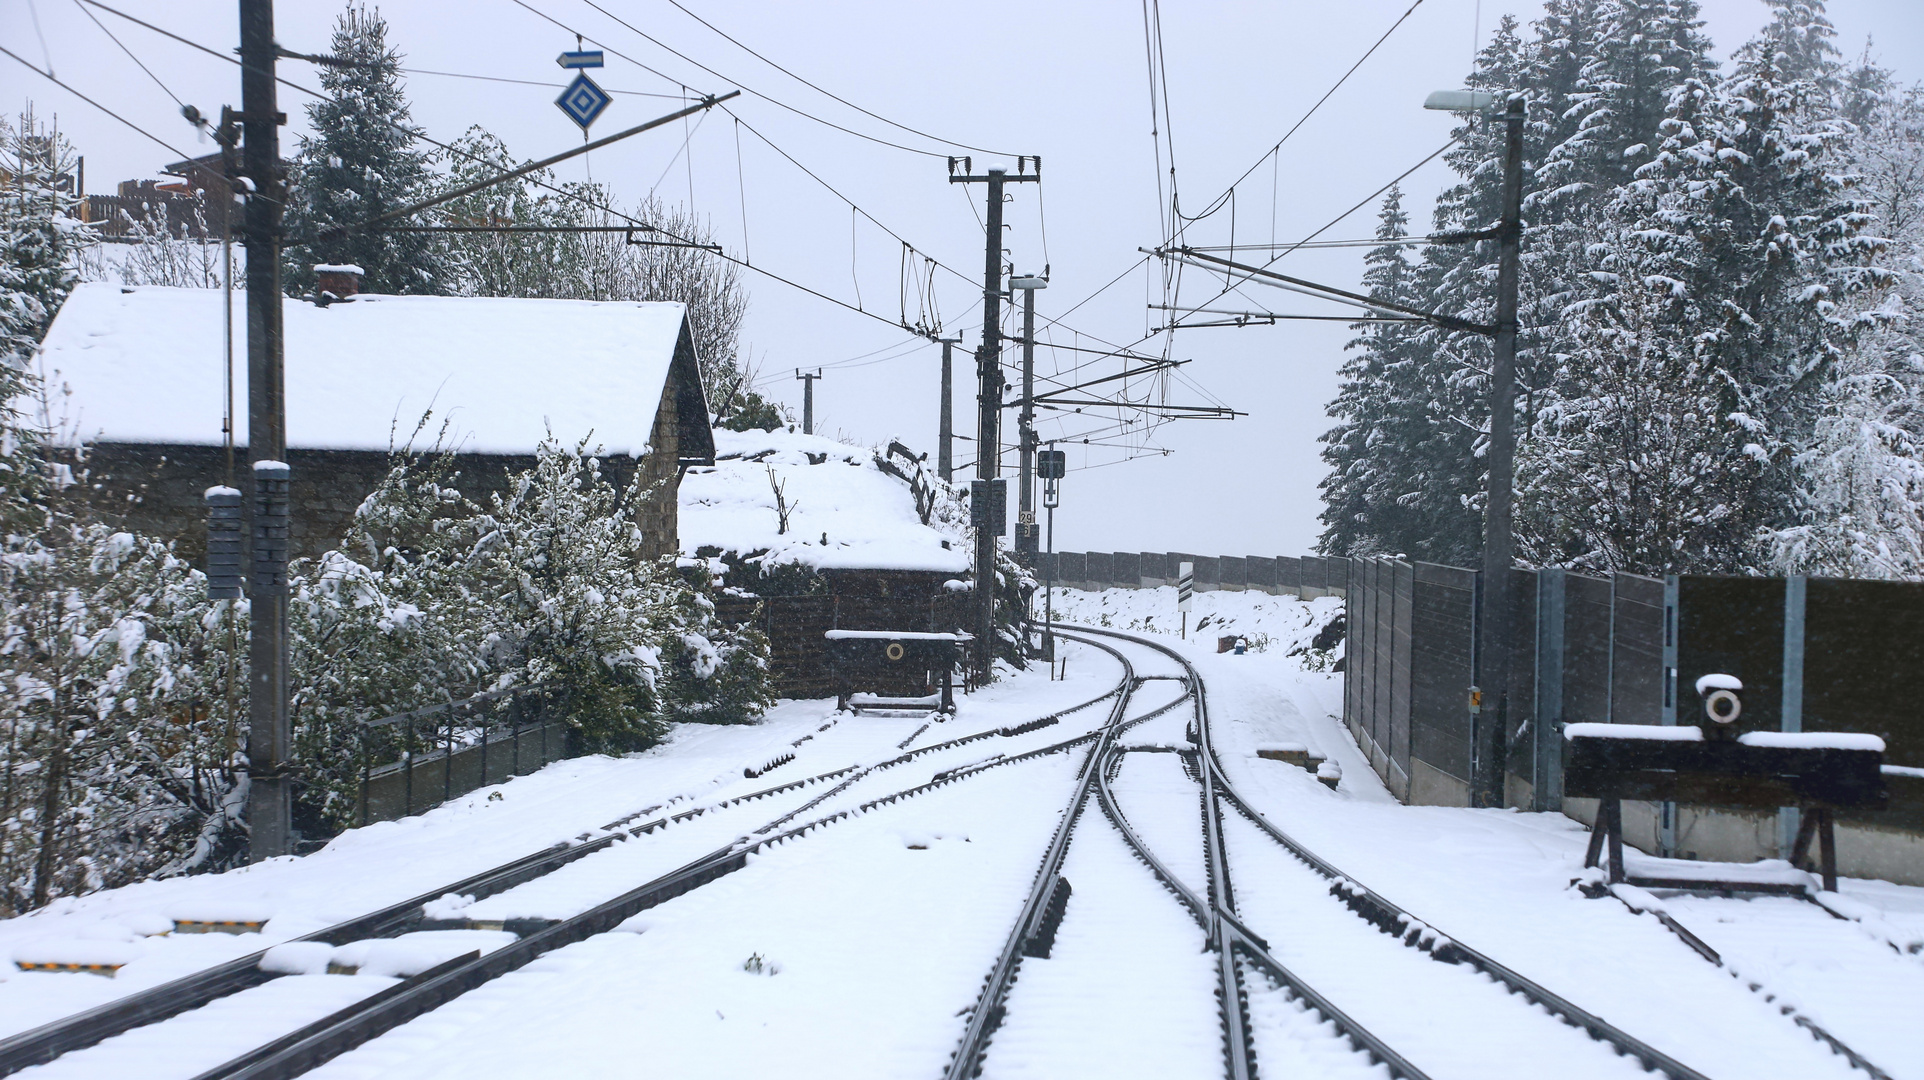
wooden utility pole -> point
(1496, 618)
(988, 432)
(269, 739)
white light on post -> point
(1461, 101)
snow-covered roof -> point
(868, 516)
(146, 365)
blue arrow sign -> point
(583, 101)
(579, 59)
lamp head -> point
(1461, 101)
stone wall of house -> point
(158, 489)
(660, 513)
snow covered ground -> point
(849, 952)
(1281, 624)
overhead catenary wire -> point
(564, 192)
(671, 50)
(825, 93)
(95, 19)
(49, 76)
(530, 82)
(1332, 223)
(1327, 94)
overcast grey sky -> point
(1067, 81)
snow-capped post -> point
(269, 737)
(223, 543)
(988, 368)
(269, 807)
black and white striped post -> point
(1185, 589)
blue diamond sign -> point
(583, 101)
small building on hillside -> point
(139, 375)
(825, 536)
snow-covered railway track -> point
(1095, 974)
(310, 1045)
(1217, 912)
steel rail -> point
(1392, 919)
(1229, 936)
(295, 1054)
(45, 1043)
(986, 1014)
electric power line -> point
(825, 93)
(49, 76)
(130, 54)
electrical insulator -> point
(270, 528)
(223, 543)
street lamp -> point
(1492, 648)
(1025, 527)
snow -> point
(1281, 624)
(1800, 740)
(849, 951)
(1813, 740)
(337, 268)
(1653, 732)
(834, 491)
(1708, 683)
(890, 635)
(146, 365)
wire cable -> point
(532, 82)
(827, 94)
(1371, 51)
(130, 54)
(48, 75)
(745, 88)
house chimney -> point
(337, 281)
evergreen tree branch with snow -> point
(361, 162)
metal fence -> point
(416, 760)
(1307, 576)
(1814, 654)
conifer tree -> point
(40, 240)
(1383, 494)
(360, 163)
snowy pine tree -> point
(1859, 502)
(361, 163)
(41, 238)
(1398, 452)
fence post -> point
(1796, 589)
(407, 780)
(1672, 617)
(447, 758)
(515, 710)
(367, 772)
(1546, 766)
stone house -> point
(139, 376)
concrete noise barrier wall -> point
(1306, 576)
(1814, 655)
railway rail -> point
(300, 1050)
(1231, 941)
